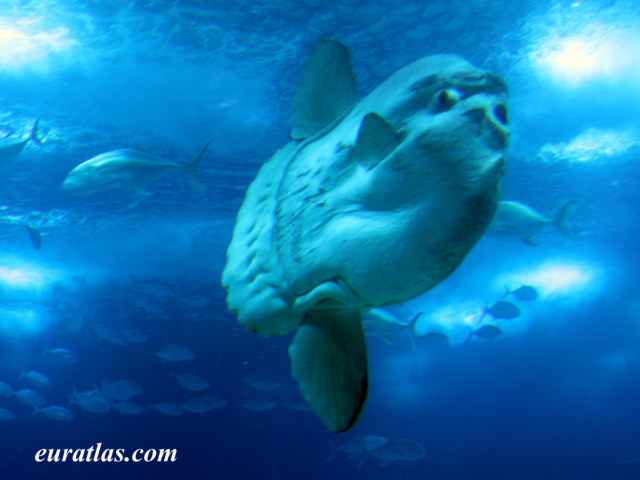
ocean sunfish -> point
(520, 221)
(10, 147)
(374, 202)
(124, 168)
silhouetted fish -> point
(204, 404)
(54, 412)
(501, 310)
(192, 382)
(488, 332)
(175, 353)
(5, 389)
(10, 148)
(63, 355)
(168, 409)
(6, 415)
(524, 293)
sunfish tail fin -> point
(33, 135)
(192, 168)
(560, 219)
(329, 361)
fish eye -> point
(447, 98)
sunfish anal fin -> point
(376, 140)
(327, 89)
(329, 361)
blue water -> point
(555, 397)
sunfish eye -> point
(447, 98)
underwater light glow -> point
(557, 278)
(19, 47)
(600, 53)
(21, 320)
(591, 145)
(19, 277)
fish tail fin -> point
(560, 219)
(192, 167)
(507, 292)
(412, 329)
(33, 135)
(485, 310)
(333, 452)
(132, 283)
(35, 410)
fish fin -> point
(33, 135)
(560, 219)
(412, 329)
(329, 361)
(485, 310)
(327, 89)
(35, 236)
(192, 168)
(507, 292)
(376, 140)
(530, 241)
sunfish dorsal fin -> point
(327, 89)
(329, 361)
(376, 140)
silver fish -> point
(10, 148)
(55, 412)
(124, 168)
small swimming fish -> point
(402, 450)
(54, 412)
(121, 390)
(132, 335)
(488, 332)
(520, 221)
(129, 408)
(192, 382)
(258, 405)
(95, 403)
(109, 334)
(10, 148)
(36, 379)
(169, 409)
(60, 354)
(379, 322)
(501, 310)
(31, 397)
(204, 404)
(124, 168)
(6, 415)
(260, 384)
(5, 389)
(175, 353)
(524, 293)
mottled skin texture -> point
(373, 209)
(318, 229)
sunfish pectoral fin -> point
(376, 140)
(329, 361)
(327, 89)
